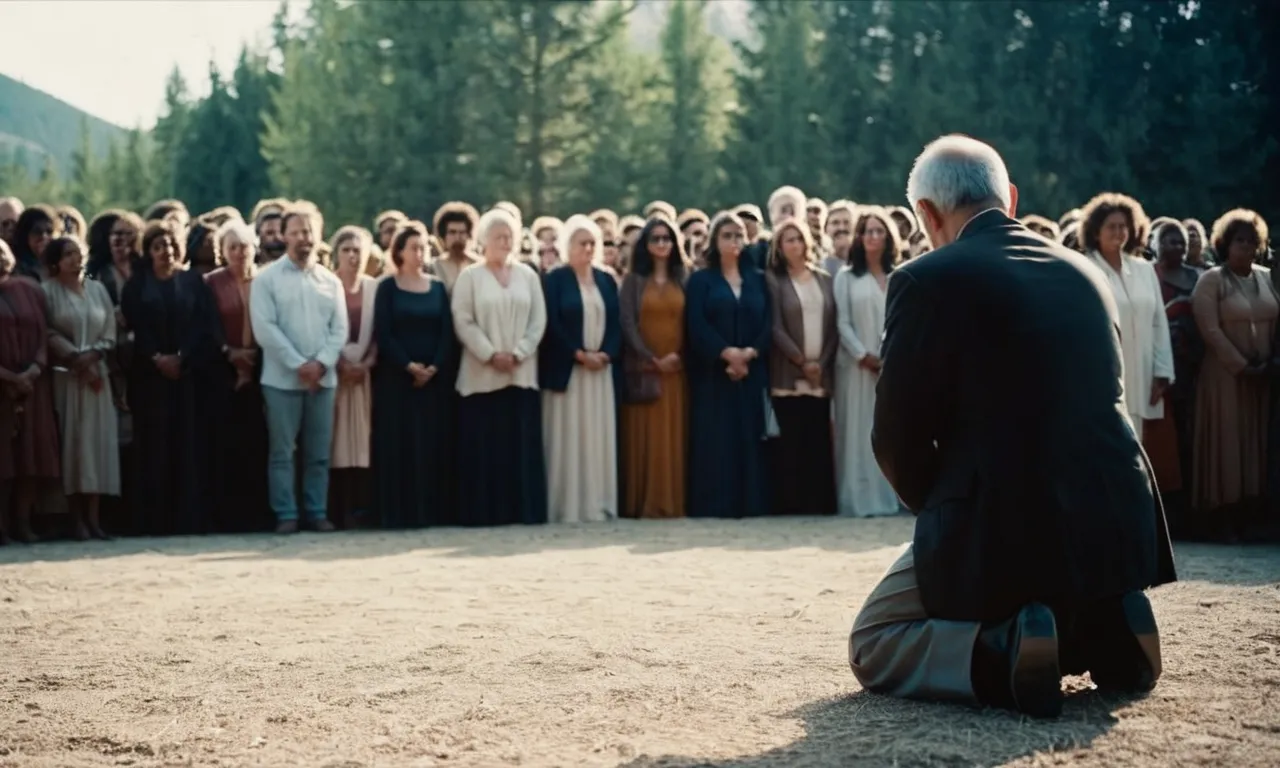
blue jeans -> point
(301, 419)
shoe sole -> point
(1036, 678)
(1140, 649)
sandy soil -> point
(684, 643)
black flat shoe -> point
(1015, 664)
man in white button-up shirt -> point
(300, 320)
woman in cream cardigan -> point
(349, 480)
(499, 316)
(1109, 233)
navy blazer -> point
(563, 336)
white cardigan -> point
(1144, 332)
(489, 318)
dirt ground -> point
(681, 643)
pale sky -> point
(110, 58)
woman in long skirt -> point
(728, 319)
(860, 288)
(350, 479)
(655, 417)
(499, 316)
(801, 363)
(240, 431)
(578, 378)
(413, 390)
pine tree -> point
(695, 89)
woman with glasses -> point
(655, 414)
(729, 322)
(860, 288)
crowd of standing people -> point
(167, 374)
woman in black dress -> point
(170, 310)
(413, 390)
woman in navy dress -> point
(413, 390)
(728, 324)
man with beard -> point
(270, 236)
(454, 225)
(299, 315)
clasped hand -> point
(421, 373)
(737, 360)
(592, 361)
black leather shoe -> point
(1122, 644)
(1015, 664)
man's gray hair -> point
(957, 172)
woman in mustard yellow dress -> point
(655, 415)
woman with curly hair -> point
(1110, 234)
(82, 333)
(1236, 306)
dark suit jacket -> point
(786, 356)
(563, 336)
(1000, 421)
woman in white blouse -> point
(862, 490)
(1109, 234)
(499, 317)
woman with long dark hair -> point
(413, 390)
(36, 227)
(728, 319)
(655, 414)
(170, 310)
(860, 289)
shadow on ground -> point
(868, 730)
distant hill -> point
(44, 125)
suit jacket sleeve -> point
(912, 392)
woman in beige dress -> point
(349, 477)
(578, 379)
(1235, 306)
(82, 332)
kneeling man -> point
(1000, 422)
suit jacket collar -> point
(988, 219)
